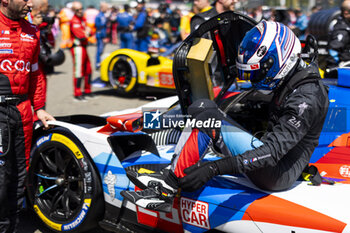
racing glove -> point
(200, 173)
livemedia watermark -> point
(156, 119)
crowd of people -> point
(142, 28)
(127, 19)
(155, 30)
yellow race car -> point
(129, 71)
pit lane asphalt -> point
(60, 103)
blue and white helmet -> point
(266, 55)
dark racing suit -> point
(296, 117)
(339, 42)
(20, 89)
(81, 61)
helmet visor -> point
(250, 72)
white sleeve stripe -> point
(35, 67)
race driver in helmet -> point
(269, 56)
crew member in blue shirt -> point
(125, 21)
(142, 27)
(101, 32)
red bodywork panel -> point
(128, 122)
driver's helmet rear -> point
(267, 54)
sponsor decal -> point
(155, 120)
(302, 108)
(344, 171)
(201, 105)
(293, 121)
(122, 124)
(27, 36)
(255, 66)
(195, 213)
(19, 65)
(26, 40)
(66, 141)
(76, 222)
(5, 32)
(111, 180)
(5, 45)
(6, 51)
(35, 67)
(4, 38)
(340, 37)
(43, 139)
(261, 51)
(252, 160)
(284, 71)
(260, 27)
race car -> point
(78, 167)
(129, 71)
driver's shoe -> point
(155, 198)
(166, 178)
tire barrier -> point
(320, 26)
(322, 22)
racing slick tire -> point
(122, 73)
(63, 186)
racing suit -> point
(81, 61)
(101, 34)
(277, 160)
(20, 89)
(124, 21)
(339, 43)
(65, 17)
(45, 36)
(142, 28)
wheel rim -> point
(58, 182)
(122, 73)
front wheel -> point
(122, 74)
(63, 187)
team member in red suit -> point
(81, 61)
(36, 17)
(20, 89)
